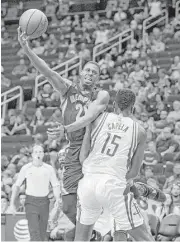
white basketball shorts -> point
(98, 192)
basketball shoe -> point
(141, 189)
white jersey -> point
(113, 143)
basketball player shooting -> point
(74, 102)
(114, 147)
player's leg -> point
(83, 232)
(88, 209)
(69, 209)
(69, 206)
(141, 233)
(124, 209)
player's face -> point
(38, 153)
(89, 75)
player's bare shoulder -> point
(103, 96)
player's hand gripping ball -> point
(33, 23)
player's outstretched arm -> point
(138, 155)
(94, 109)
(59, 83)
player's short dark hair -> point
(95, 63)
(125, 98)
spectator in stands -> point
(151, 157)
(137, 75)
(50, 7)
(20, 8)
(21, 69)
(51, 44)
(107, 60)
(175, 178)
(5, 38)
(175, 67)
(22, 199)
(5, 82)
(168, 32)
(120, 81)
(155, 8)
(165, 144)
(104, 76)
(175, 114)
(176, 25)
(20, 53)
(175, 194)
(38, 48)
(4, 129)
(44, 96)
(74, 76)
(163, 210)
(119, 16)
(21, 157)
(4, 162)
(155, 35)
(85, 54)
(55, 100)
(38, 120)
(163, 79)
(76, 21)
(72, 51)
(148, 172)
(60, 60)
(162, 123)
(150, 68)
(128, 52)
(4, 204)
(101, 35)
(158, 46)
(30, 75)
(20, 126)
(176, 132)
(56, 117)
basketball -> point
(34, 23)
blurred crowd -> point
(157, 92)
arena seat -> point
(172, 98)
(158, 169)
(30, 104)
(168, 169)
(169, 226)
(16, 139)
(41, 129)
(161, 179)
(47, 112)
(11, 13)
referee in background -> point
(38, 176)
